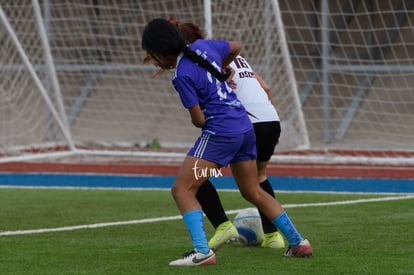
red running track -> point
(274, 169)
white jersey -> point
(251, 94)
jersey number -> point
(240, 63)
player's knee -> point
(251, 195)
(176, 190)
(180, 190)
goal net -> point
(73, 82)
(73, 85)
(354, 67)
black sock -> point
(210, 202)
(268, 226)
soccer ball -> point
(249, 226)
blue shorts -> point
(225, 149)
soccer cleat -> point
(273, 240)
(303, 249)
(225, 233)
(195, 258)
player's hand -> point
(230, 80)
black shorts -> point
(267, 137)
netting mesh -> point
(110, 98)
(365, 49)
(352, 64)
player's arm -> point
(234, 50)
(264, 85)
(197, 116)
(230, 80)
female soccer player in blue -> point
(255, 95)
(227, 135)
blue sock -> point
(285, 225)
(195, 225)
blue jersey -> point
(224, 113)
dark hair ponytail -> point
(162, 38)
(205, 64)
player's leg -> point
(298, 246)
(267, 225)
(183, 191)
(245, 174)
(267, 137)
(221, 150)
(211, 204)
(272, 237)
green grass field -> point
(374, 237)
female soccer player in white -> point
(227, 134)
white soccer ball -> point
(249, 226)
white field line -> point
(160, 219)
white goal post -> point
(73, 86)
